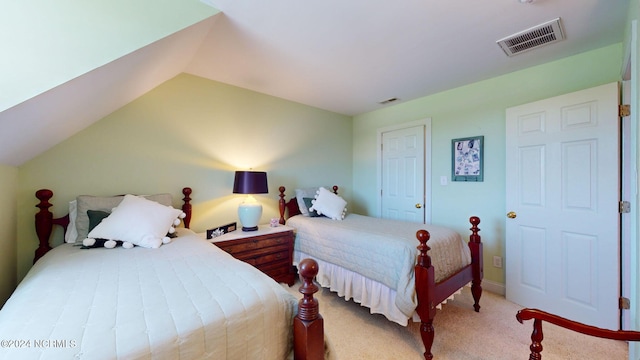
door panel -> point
(532, 176)
(579, 259)
(533, 250)
(579, 178)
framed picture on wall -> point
(467, 158)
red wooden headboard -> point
(291, 206)
(45, 220)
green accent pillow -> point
(95, 217)
(308, 203)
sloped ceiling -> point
(71, 63)
(66, 64)
(41, 122)
(47, 43)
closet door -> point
(402, 164)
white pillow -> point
(105, 203)
(72, 232)
(305, 193)
(329, 204)
(137, 220)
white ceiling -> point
(346, 56)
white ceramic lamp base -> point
(249, 214)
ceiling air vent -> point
(532, 38)
(389, 100)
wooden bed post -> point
(281, 204)
(426, 307)
(308, 325)
(186, 207)
(536, 340)
(475, 245)
(44, 222)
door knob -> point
(511, 215)
(418, 206)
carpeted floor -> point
(461, 334)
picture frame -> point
(221, 230)
(467, 159)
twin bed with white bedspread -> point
(184, 300)
(400, 269)
(364, 249)
(179, 298)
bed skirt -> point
(379, 298)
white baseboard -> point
(634, 350)
(494, 287)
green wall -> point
(475, 109)
(8, 203)
(193, 132)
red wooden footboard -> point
(430, 293)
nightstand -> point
(270, 249)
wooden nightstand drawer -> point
(255, 258)
(240, 246)
(268, 249)
(277, 269)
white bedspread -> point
(185, 300)
(380, 250)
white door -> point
(403, 193)
(562, 184)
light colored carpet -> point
(461, 334)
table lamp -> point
(250, 210)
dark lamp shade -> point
(250, 182)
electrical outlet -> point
(497, 261)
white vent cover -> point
(532, 38)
